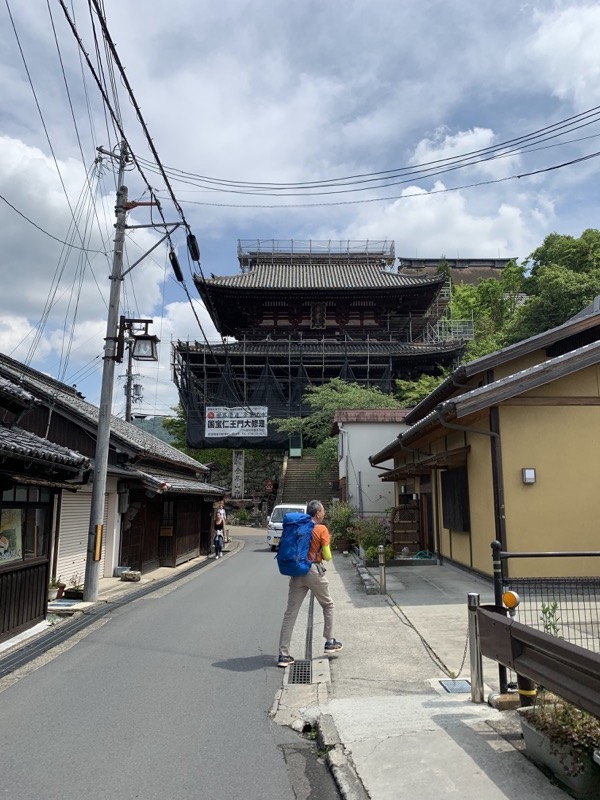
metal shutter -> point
(73, 534)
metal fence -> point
(567, 608)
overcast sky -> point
(273, 92)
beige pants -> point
(298, 589)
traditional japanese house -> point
(33, 473)
(505, 449)
(158, 503)
(300, 314)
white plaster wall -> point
(364, 439)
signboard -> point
(242, 421)
(237, 476)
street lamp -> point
(141, 346)
(144, 348)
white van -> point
(275, 521)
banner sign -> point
(237, 477)
(242, 421)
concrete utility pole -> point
(94, 547)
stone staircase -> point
(301, 485)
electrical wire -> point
(505, 149)
(45, 232)
(421, 193)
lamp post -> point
(141, 346)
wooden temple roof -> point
(306, 347)
(326, 275)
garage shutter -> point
(73, 535)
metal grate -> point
(456, 687)
(300, 672)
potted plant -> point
(562, 737)
(74, 591)
(340, 520)
(55, 588)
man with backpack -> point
(309, 575)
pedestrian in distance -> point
(314, 581)
(218, 543)
(221, 521)
(219, 537)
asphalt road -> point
(166, 697)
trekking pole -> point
(382, 589)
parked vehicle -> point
(275, 521)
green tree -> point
(578, 255)
(324, 401)
(409, 393)
(557, 294)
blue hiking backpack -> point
(296, 536)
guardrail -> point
(568, 670)
(565, 607)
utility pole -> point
(94, 547)
(144, 350)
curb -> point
(369, 584)
(339, 761)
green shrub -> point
(340, 518)
(372, 553)
(371, 532)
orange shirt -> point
(320, 538)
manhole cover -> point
(300, 672)
(456, 687)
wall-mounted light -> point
(528, 474)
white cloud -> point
(433, 223)
(564, 52)
(447, 149)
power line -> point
(424, 193)
(509, 148)
(45, 232)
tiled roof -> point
(10, 389)
(64, 396)
(493, 393)
(308, 347)
(585, 320)
(18, 443)
(318, 276)
(179, 485)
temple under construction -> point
(299, 314)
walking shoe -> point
(333, 647)
(285, 661)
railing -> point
(563, 607)
(317, 248)
(566, 669)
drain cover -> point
(456, 687)
(300, 672)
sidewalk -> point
(391, 727)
